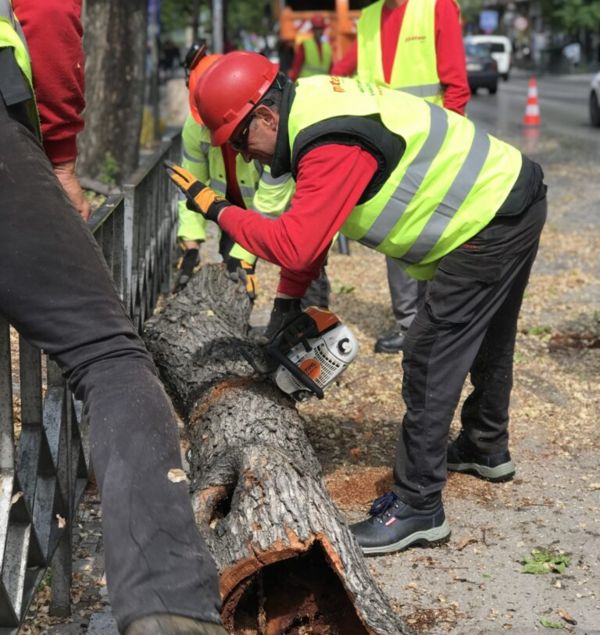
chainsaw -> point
(309, 354)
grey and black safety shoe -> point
(166, 624)
(465, 458)
(394, 526)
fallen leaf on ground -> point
(15, 498)
(548, 624)
(467, 541)
(546, 561)
(61, 521)
(566, 617)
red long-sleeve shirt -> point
(451, 65)
(330, 181)
(53, 31)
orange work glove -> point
(201, 198)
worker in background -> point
(313, 55)
(247, 185)
(417, 182)
(55, 289)
(415, 46)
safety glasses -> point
(239, 141)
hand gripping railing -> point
(44, 450)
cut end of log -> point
(299, 595)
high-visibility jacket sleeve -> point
(195, 145)
(272, 198)
(330, 181)
(54, 32)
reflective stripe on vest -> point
(447, 186)
(410, 183)
(413, 177)
(425, 91)
(452, 202)
(6, 12)
(218, 186)
(189, 157)
(268, 179)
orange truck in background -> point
(340, 16)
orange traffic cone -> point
(532, 110)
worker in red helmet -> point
(248, 185)
(422, 184)
(313, 55)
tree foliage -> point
(175, 14)
(241, 14)
(573, 15)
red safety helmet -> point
(197, 72)
(230, 89)
(318, 21)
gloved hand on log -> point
(244, 271)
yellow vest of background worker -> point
(415, 64)
(448, 184)
(315, 63)
(11, 35)
(260, 191)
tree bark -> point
(288, 562)
(115, 50)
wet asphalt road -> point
(563, 104)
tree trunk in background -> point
(288, 562)
(115, 50)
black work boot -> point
(394, 526)
(391, 342)
(465, 458)
(188, 265)
(166, 624)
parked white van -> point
(500, 48)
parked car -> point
(500, 48)
(482, 68)
(595, 101)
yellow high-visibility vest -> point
(415, 63)
(11, 35)
(447, 186)
(315, 63)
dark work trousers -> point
(55, 288)
(407, 294)
(468, 323)
(319, 292)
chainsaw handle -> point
(296, 372)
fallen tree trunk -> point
(288, 563)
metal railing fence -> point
(44, 448)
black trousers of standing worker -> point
(468, 323)
(55, 288)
